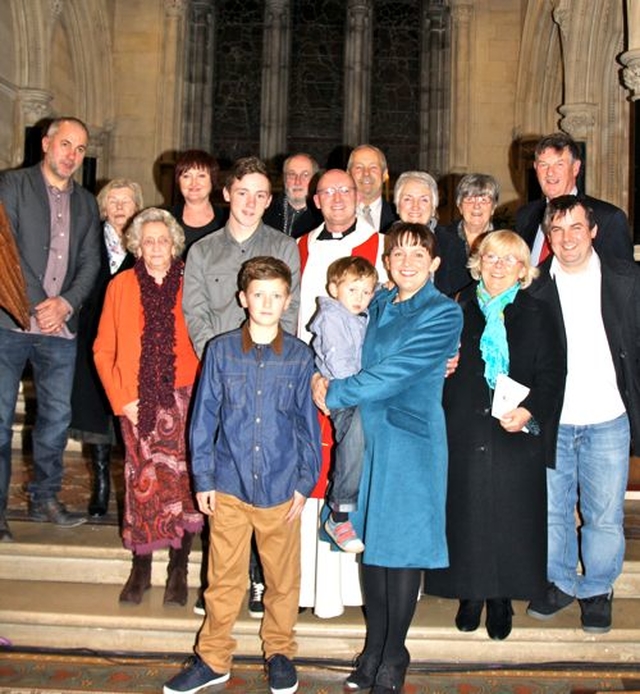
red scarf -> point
(157, 373)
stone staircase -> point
(59, 589)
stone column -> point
(275, 79)
(631, 57)
(358, 55)
(197, 114)
(167, 138)
(34, 104)
(435, 72)
(631, 77)
(462, 15)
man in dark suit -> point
(596, 302)
(368, 167)
(557, 165)
(56, 227)
(293, 212)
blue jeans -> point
(348, 450)
(592, 465)
(52, 360)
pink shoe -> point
(344, 535)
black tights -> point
(390, 597)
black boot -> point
(99, 503)
(176, 590)
(499, 618)
(139, 579)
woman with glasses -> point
(476, 199)
(496, 495)
(147, 365)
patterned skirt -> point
(159, 504)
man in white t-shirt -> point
(596, 300)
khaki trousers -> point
(278, 542)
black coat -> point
(452, 275)
(496, 497)
(620, 306)
(309, 220)
(613, 238)
(388, 216)
(90, 409)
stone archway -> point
(569, 78)
(44, 29)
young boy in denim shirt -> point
(255, 446)
(338, 328)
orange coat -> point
(117, 347)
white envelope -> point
(507, 395)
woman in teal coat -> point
(413, 331)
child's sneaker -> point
(196, 676)
(344, 535)
(283, 678)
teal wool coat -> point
(401, 506)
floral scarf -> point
(156, 376)
(493, 343)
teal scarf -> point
(493, 343)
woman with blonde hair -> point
(92, 420)
(496, 494)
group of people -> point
(448, 408)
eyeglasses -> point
(332, 190)
(303, 176)
(507, 260)
(478, 199)
(163, 242)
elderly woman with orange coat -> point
(147, 365)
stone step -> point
(59, 589)
(68, 616)
(93, 553)
(89, 553)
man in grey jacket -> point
(56, 227)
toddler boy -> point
(338, 327)
(255, 446)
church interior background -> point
(449, 86)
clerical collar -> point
(326, 235)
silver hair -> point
(477, 184)
(154, 214)
(426, 179)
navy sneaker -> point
(596, 613)
(196, 676)
(282, 675)
(554, 601)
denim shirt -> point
(254, 429)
